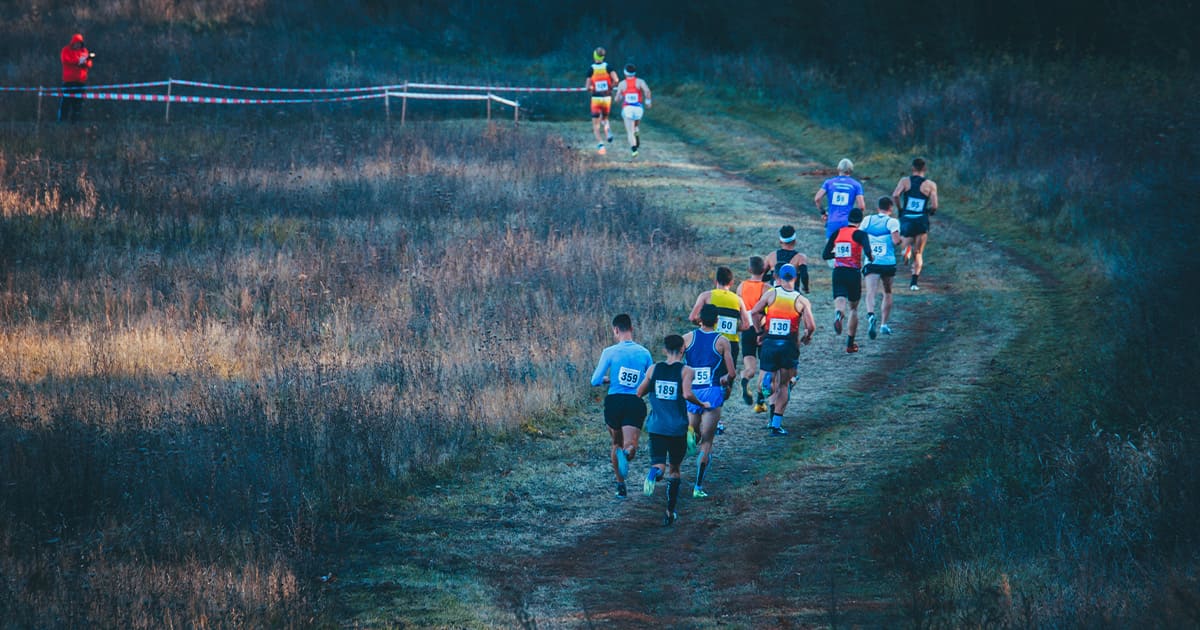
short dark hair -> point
(673, 343)
(757, 265)
(856, 215)
(786, 231)
(724, 276)
(630, 68)
(918, 164)
(708, 314)
(885, 203)
(623, 322)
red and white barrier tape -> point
(490, 88)
(114, 86)
(246, 88)
(208, 100)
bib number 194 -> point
(842, 250)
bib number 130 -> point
(628, 377)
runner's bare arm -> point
(686, 376)
(933, 198)
(760, 310)
(701, 300)
(901, 186)
(745, 314)
(806, 315)
(817, 199)
(861, 202)
(723, 346)
(646, 91)
(644, 386)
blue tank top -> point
(882, 247)
(703, 358)
(668, 409)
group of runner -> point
(634, 94)
(766, 319)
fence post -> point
(489, 107)
(516, 113)
(387, 103)
(404, 104)
(167, 115)
(39, 106)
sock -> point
(870, 314)
(772, 409)
(672, 493)
(802, 270)
(701, 467)
(849, 340)
(914, 278)
(776, 421)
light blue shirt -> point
(625, 363)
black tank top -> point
(782, 257)
(914, 200)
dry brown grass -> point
(218, 348)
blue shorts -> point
(713, 395)
(832, 226)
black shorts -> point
(750, 343)
(886, 271)
(778, 354)
(847, 283)
(668, 448)
(624, 410)
(734, 347)
(914, 227)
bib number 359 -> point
(628, 377)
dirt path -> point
(534, 538)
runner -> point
(634, 92)
(884, 233)
(623, 366)
(600, 83)
(707, 353)
(778, 314)
(732, 315)
(845, 248)
(669, 384)
(844, 192)
(750, 291)
(787, 254)
(917, 199)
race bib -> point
(878, 249)
(726, 325)
(601, 86)
(780, 327)
(703, 376)
(842, 250)
(631, 98)
(628, 377)
(914, 205)
(666, 390)
(840, 199)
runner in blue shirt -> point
(844, 192)
(884, 232)
(623, 366)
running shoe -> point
(760, 408)
(837, 323)
(622, 462)
(610, 134)
(601, 150)
(633, 152)
(651, 479)
(691, 442)
(913, 287)
(621, 491)
(671, 517)
(699, 493)
(885, 329)
(872, 326)
(852, 348)
(778, 431)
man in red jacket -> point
(75, 62)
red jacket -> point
(74, 70)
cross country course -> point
(531, 535)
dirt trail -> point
(535, 538)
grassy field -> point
(222, 346)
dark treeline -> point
(870, 32)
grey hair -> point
(845, 166)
